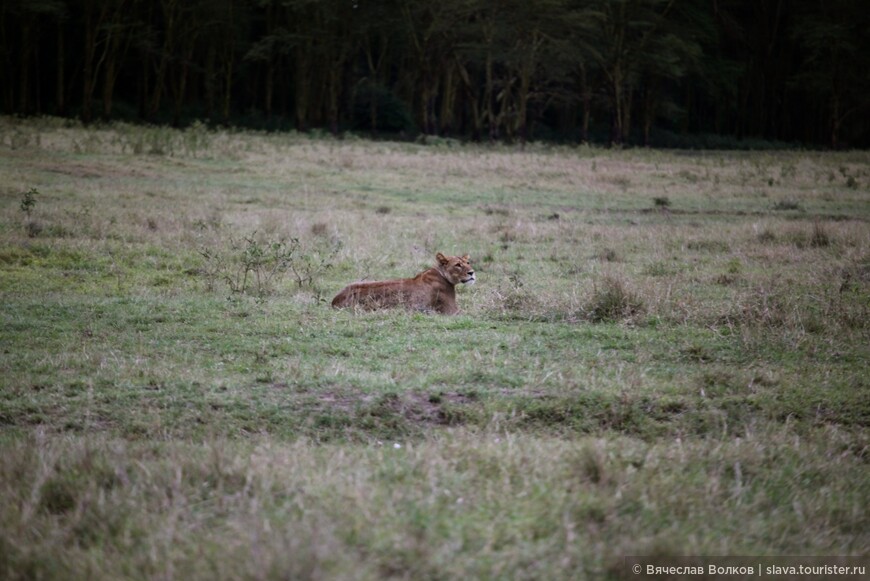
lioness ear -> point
(441, 258)
(466, 258)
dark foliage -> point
(688, 73)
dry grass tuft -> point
(613, 300)
(319, 230)
(820, 237)
(607, 255)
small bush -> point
(512, 299)
(788, 205)
(734, 266)
(495, 210)
(658, 268)
(28, 201)
(766, 236)
(856, 276)
(607, 255)
(820, 237)
(688, 176)
(254, 266)
(715, 246)
(612, 301)
(319, 230)
(762, 307)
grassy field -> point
(666, 353)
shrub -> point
(820, 237)
(607, 255)
(250, 265)
(28, 201)
(767, 235)
(612, 300)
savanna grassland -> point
(666, 353)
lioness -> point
(431, 290)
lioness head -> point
(456, 269)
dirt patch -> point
(420, 408)
(343, 401)
(439, 408)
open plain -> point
(665, 353)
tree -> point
(496, 69)
(836, 57)
(431, 32)
(109, 31)
(528, 31)
(221, 25)
(22, 23)
(670, 55)
(269, 50)
(624, 31)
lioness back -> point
(431, 290)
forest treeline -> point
(616, 71)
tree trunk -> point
(179, 85)
(374, 70)
(211, 79)
(488, 116)
(448, 102)
(24, 65)
(7, 72)
(626, 114)
(474, 103)
(302, 91)
(333, 90)
(616, 121)
(60, 93)
(648, 113)
(169, 32)
(523, 102)
(586, 100)
(270, 88)
(111, 70)
(228, 87)
(154, 103)
(94, 20)
(505, 110)
(426, 96)
(88, 70)
(270, 63)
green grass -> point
(627, 377)
(454, 504)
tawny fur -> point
(431, 290)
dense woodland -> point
(659, 72)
